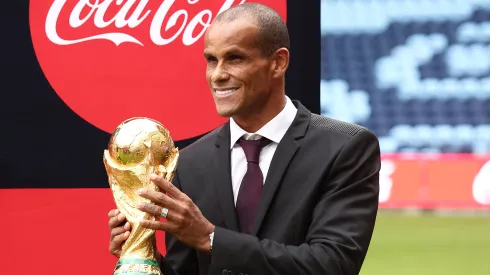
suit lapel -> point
(283, 156)
(222, 175)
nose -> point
(219, 74)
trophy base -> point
(137, 266)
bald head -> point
(272, 32)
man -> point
(301, 200)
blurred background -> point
(417, 73)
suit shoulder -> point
(334, 126)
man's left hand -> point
(184, 219)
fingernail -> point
(153, 176)
(140, 191)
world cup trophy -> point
(138, 148)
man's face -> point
(237, 73)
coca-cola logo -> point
(114, 59)
(481, 185)
(386, 172)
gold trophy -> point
(138, 147)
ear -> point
(281, 58)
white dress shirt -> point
(274, 130)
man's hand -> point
(119, 231)
(184, 219)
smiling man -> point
(276, 189)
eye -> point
(235, 57)
(211, 59)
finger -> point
(157, 197)
(119, 239)
(113, 222)
(166, 226)
(113, 213)
(149, 208)
(167, 186)
(127, 226)
(117, 231)
(154, 210)
(116, 220)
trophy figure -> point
(138, 148)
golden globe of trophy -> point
(138, 148)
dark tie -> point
(251, 186)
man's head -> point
(247, 54)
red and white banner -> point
(446, 181)
(112, 60)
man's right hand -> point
(119, 231)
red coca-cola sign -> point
(114, 59)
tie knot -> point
(252, 148)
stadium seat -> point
(415, 71)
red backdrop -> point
(45, 229)
(447, 181)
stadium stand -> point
(415, 72)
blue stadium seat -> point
(482, 132)
(402, 133)
(463, 133)
(416, 72)
(443, 134)
(422, 134)
(388, 145)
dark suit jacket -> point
(317, 211)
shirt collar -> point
(274, 130)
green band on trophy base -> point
(136, 261)
(135, 266)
